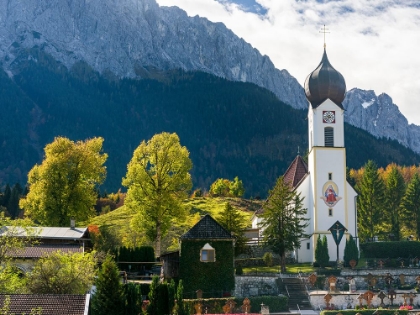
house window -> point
(207, 254)
(329, 176)
(330, 212)
(308, 245)
(329, 136)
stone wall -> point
(246, 286)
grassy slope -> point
(120, 218)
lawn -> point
(291, 269)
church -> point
(329, 199)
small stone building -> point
(207, 260)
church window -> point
(308, 245)
(207, 254)
(329, 176)
(329, 136)
(330, 212)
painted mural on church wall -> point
(330, 194)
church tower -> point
(328, 196)
(329, 199)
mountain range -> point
(128, 69)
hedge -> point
(215, 305)
(403, 249)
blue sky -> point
(375, 44)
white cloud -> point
(375, 44)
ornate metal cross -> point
(325, 31)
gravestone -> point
(402, 279)
(332, 281)
(312, 279)
(381, 296)
(197, 308)
(246, 306)
(327, 299)
(265, 310)
(199, 294)
(352, 285)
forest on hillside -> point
(230, 128)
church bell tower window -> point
(329, 136)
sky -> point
(375, 44)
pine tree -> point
(283, 220)
(411, 205)
(370, 202)
(325, 255)
(321, 251)
(394, 193)
(350, 251)
(133, 299)
(109, 297)
(232, 220)
(318, 251)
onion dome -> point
(325, 83)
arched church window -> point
(329, 136)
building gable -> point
(207, 228)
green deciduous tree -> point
(63, 185)
(236, 188)
(220, 187)
(109, 298)
(224, 187)
(283, 220)
(158, 179)
(394, 193)
(370, 202)
(62, 273)
(411, 205)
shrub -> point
(268, 259)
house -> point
(40, 241)
(50, 304)
(329, 199)
(207, 260)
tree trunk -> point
(158, 240)
(283, 262)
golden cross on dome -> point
(325, 31)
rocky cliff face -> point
(132, 37)
(381, 117)
(136, 38)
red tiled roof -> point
(41, 250)
(296, 172)
(51, 304)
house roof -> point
(42, 250)
(46, 232)
(207, 228)
(296, 172)
(51, 304)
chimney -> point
(72, 223)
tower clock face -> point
(328, 117)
